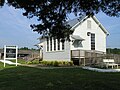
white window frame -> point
(56, 48)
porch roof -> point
(76, 37)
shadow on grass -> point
(27, 78)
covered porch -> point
(87, 57)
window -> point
(58, 44)
(51, 44)
(92, 41)
(47, 44)
(63, 45)
(54, 44)
(88, 24)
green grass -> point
(6, 66)
(21, 61)
(26, 78)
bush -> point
(57, 63)
(33, 62)
(52, 63)
(29, 62)
(71, 63)
(44, 62)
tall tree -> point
(2, 2)
(52, 14)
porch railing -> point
(87, 57)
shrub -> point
(71, 63)
(52, 63)
(29, 62)
(49, 63)
(68, 63)
(44, 62)
(56, 63)
(33, 62)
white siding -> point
(100, 36)
(81, 30)
(57, 55)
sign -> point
(10, 52)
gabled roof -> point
(73, 22)
(100, 25)
(77, 21)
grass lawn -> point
(26, 78)
(21, 61)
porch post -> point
(84, 61)
(79, 57)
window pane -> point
(54, 44)
(63, 45)
(47, 44)
(50, 44)
(92, 41)
(58, 44)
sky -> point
(15, 29)
(112, 25)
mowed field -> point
(29, 78)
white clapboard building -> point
(89, 36)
